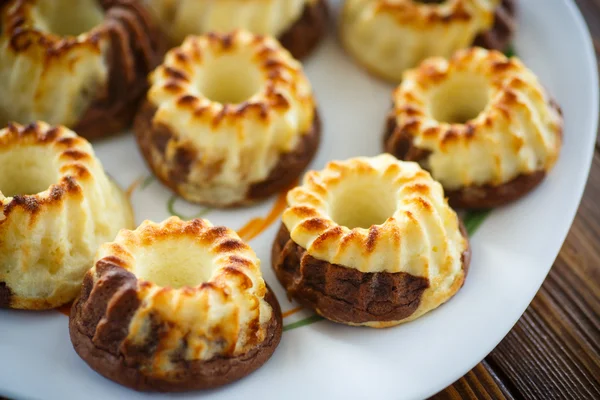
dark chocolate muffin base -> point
(347, 295)
(5, 295)
(500, 36)
(306, 33)
(290, 165)
(153, 138)
(400, 144)
(187, 375)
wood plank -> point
(554, 350)
(591, 12)
(480, 383)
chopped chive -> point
(303, 322)
(149, 179)
(510, 51)
(474, 219)
(171, 208)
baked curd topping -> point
(238, 101)
(377, 215)
(57, 207)
(389, 36)
(201, 281)
(181, 18)
(485, 119)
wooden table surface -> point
(553, 352)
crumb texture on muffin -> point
(389, 36)
(57, 206)
(164, 300)
(477, 119)
(377, 215)
(221, 112)
(75, 63)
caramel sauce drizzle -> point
(291, 312)
(65, 308)
(134, 185)
(256, 226)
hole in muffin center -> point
(67, 17)
(173, 263)
(230, 79)
(27, 170)
(363, 204)
(460, 99)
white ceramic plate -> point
(512, 251)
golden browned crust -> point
(153, 138)
(499, 37)
(136, 46)
(400, 144)
(98, 326)
(306, 33)
(347, 295)
(36, 133)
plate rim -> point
(587, 48)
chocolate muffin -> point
(82, 64)
(481, 123)
(389, 37)
(175, 306)
(298, 24)
(57, 205)
(370, 241)
(229, 119)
